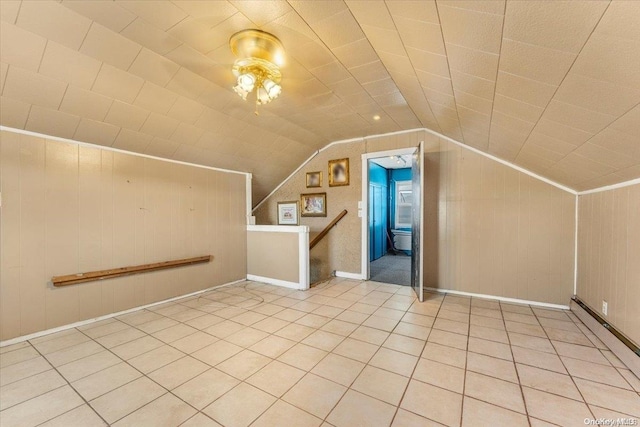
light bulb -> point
(273, 89)
(241, 92)
(246, 81)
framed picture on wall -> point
(313, 204)
(338, 172)
(314, 179)
(288, 213)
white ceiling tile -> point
(155, 98)
(117, 84)
(126, 116)
(32, 88)
(52, 122)
(526, 90)
(187, 134)
(429, 62)
(20, 47)
(518, 109)
(496, 7)
(577, 117)
(185, 110)
(211, 12)
(314, 11)
(153, 67)
(557, 130)
(421, 10)
(374, 14)
(161, 148)
(479, 104)
(473, 84)
(95, 132)
(621, 20)
(9, 10)
(260, 12)
(52, 20)
(69, 65)
(159, 126)
(513, 123)
(608, 157)
(103, 44)
(471, 29)
(420, 35)
(4, 68)
(191, 59)
(132, 141)
(356, 53)
(107, 13)
(338, 30)
(474, 62)
(188, 84)
(629, 122)
(197, 34)
(84, 103)
(550, 143)
(162, 14)
(535, 62)
(13, 113)
(144, 34)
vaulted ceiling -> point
(552, 86)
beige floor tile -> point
(282, 413)
(249, 318)
(633, 381)
(165, 411)
(490, 348)
(453, 315)
(323, 340)
(448, 338)
(139, 317)
(240, 406)
(270, 324)
(276, 378)
(244, 364)
(389, 313)
(539, 359)
(612, 358)
(595, 372)
(565, 325)
(357, 350)
(523, 328)
(338, 369)
(394, 361)
(409, 419)
(13, 347)
(495, 391)
(289, 315)
(340, 328)
(516, 308)
(433, 403)
(352, 316)
(315, 394)
(121, 337)
(54, 342)
(608, 414)
(521, 318)
(89, 365)
(444, 354)
(486, 312)
(28, 388)
(313, 320)
(413, 331)
(194, 342)
(493, 367)
(550, 313)
(246, 337)
(176, 373)
(555, 409)
(403, 344)
(70, 354)
(451, 326)
(480, 414)
(205, 321)
(306, 306)
(157, 325)
(154, 359)
(174, 333)
(551, 382)
(302, 356)
(185, 316)
(205, 388)
(380, 384)
(439, 374)
(485, 303)
(487, 322)
(570, 337)
(18, 355)
(230, 312)
(200, 420)
(42, 408)
(126, 399)
(528, 341)
(418, 319)
(382, 323)
(81, 416)
(588, 354)
(106, 327)
(137, 347)
(363, 308)
(104, 381)
(488, 334)
(224, 329)
(295, 332)
(216, 352)
(613, 398)
(357, 409)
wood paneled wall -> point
(69, 208)
(609, 255)
(501, 232)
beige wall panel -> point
(263, 260)
(70, 208)
(608, 244)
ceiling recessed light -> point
(376, 117)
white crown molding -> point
(116, 150)
(610, 187)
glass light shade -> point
(263, 96)
(273, 89)
(241, 92)
(247, 81)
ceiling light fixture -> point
(257, 68)
(376, 117)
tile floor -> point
(345, 353)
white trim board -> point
(610, 187)
(503, 299)
(575, 250)
(116, 150)
(279, 228)
(346, 275)
(277, 282)
(108, 316)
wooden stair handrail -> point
(72, 279)
(324, 232)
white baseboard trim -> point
(503, 299)
(345, 275)
(277, 282)
(617, 347)
(107, 316)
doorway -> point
(388, 206)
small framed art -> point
(338, 172)
(313, 204)
(314, 179)
(288, 213)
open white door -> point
(417, 239)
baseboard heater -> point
(626, 341)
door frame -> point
(363, 204)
